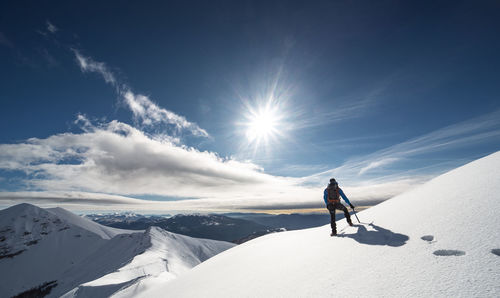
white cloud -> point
(88, 65)
(107, 166)
(288, 197)
(119, 159)
(377, 164)
(116, 159)
(149, 113)
(142, 107)
(68, 197)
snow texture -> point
(384, 256)
(86, 259)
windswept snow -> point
(86, 259)
(438, 240)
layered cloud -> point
(112, 164)
(116, 158)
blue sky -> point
(241, 104)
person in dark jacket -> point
(332, 196)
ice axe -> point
(354, 211)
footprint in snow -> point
(427, 238)
(448, 252)
(496, 251)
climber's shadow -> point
(377, 236)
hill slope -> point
(440, 239)
(63, 251)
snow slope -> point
(168, 256)
(87, 259)
(439, 240)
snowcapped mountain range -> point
(57, 252)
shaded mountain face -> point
(25, 225)
(217, 227)
(55, 252)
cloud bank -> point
(116, 158)
(112, 164)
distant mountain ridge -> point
(209, 226)
(294, 221)
(232, 227)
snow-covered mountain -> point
(441, 239)
(56, 251)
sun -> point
(265, 126)
(262, 124)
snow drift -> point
(80, 258)
(440, 239)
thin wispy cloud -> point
(87, 64)
(343, 108)
(143, 108)
(377, 164)
(476, 131)
(149, 113)
(51, 27)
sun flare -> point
(265, 125)
(262, 125)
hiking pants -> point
(337, 206)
